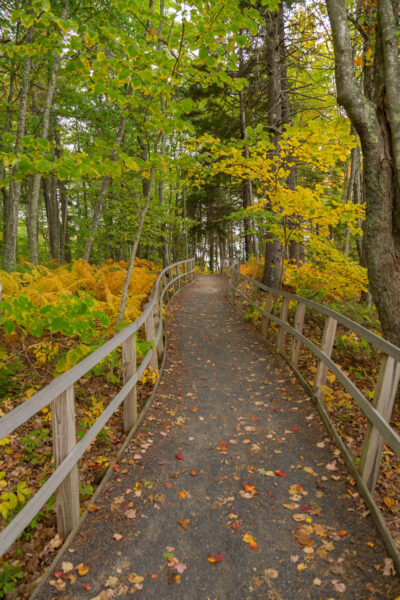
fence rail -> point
(378, 412)
(60, 393)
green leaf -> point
(203, 53)
(8, 326)
(187, 105)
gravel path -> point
(232, 489)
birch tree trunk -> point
(147, 189)
(11, 200)
(33, 205)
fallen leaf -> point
(59, 584)
(214, 558)
(184, 523)
(303, 536)
(301, 567)
(92, 507)
(179, 456)
(299, 517)
(266, 473)
(134, 578)
(390, 502)
(294, 558)
(248, 538)
(111, 581)
(338, 586)
(280, 473)
(82, 569)
(184, 494)
(331, 466)
(118, 536)
(317, 581)
(388, 568)
(271, 573)
(310, 471)
(180, 567)
(67, 567)
(131, 514)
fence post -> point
(298, 325)
(265, 320)
(232, 281)
(384, 397)
(171, 290)
(128, 370)
(328, 338)
(150, 336)
(159, 323)
(283, 317)
(64, 440)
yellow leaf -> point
(82, 569)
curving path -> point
(231, 465)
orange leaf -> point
(82, 569)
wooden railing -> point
(378, 412)
(64, 481)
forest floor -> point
(231, 488)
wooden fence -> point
(378, 412)
(64, 481)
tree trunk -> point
(247, 194)
(273, 247)
(103, 191)
(33, 205)
(211, 252)
(147, 189)
(376, 120)
(52, 213)
(12, 199)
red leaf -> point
(87, 586)
(295, 429)
(305, 508)
(214, 558)
(236, 526)
(179, 456)
(280, 473)
(270, 494)
(116, 467)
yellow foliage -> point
(253, 268)
(45, 285)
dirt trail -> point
(231, 464)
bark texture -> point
(273, 246)
(374, 113)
